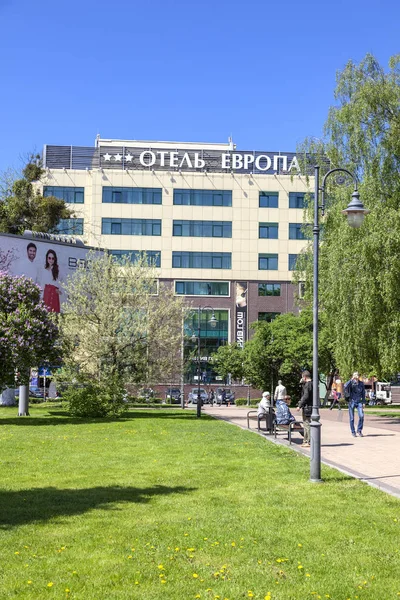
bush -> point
(240, 401)
(243, 401)
(94, 400)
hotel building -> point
(223, 226)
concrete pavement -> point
(375, 458)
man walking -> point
(356, 391)
(305, 404)
(280, 391)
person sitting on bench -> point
(283, 416)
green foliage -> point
(115, 329)
(228, 360)
(282, 349)
(240, 401)
(101, 506)
(95, 400)
(28, 332)
(360, 269)
(23, 207)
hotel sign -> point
(157, 159)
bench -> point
(253, 415)
(289, 429)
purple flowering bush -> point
(28, 332)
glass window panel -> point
(217, 231)
(177, 229)
(116, 228)
(217, 262)
(176, 260)
(79, 198)
(268, 200)
(186, 228)
(197, 229)
(292, 261)
(157, 228)
(179, 287)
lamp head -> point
(355, 211)
(213, 321)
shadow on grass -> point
(62, 417)
(21, 507)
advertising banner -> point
(241, 313)
(47, 262)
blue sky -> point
(261, 71)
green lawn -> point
(162, 505)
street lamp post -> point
(355, 212)
(213, 323)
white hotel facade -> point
(221, 224)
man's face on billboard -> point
(31, 253)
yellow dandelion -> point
(50, 584)
(189, 518)
(250, 594)
(197, 596)
(163, 581)
(308, 575)
(16, 552)
(136, 583)
(29, 582)
(132, 549)
(268, 596)
(130, 556)
(195, 575)
(300, 545)
(67, 590)
(233, 544)
(300, 566)
(205, 539)
(161, 567)
(186, 534)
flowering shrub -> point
(28, 332)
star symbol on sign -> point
(118, 157)
(128, 157)
(107, 157)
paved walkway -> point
(375, 458)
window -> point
(269, 289)
(297, 199)
(201, 260)
(131, 226)
(268, 199)
(202, 229)
(267, 316)
(72, 195)
(153, 256)
(203, 197)
(70, 226)
(292, 262)
(296, 231)
(129, 195)
(202, 288)
(268, 262)
(268, 230)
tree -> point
(360, 269)
(118, 328)
(23, 207)
(228, 361)
(283, 349)
(28, 332)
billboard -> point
(46, 259)
(241, 313)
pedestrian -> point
(280, 391)
(335, 395)
(355, 390)
(212, 397)
(305, 404)
(283, 416)
(264, 411)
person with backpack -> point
(354, 391)
(306, 402)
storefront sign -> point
(241, 313)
